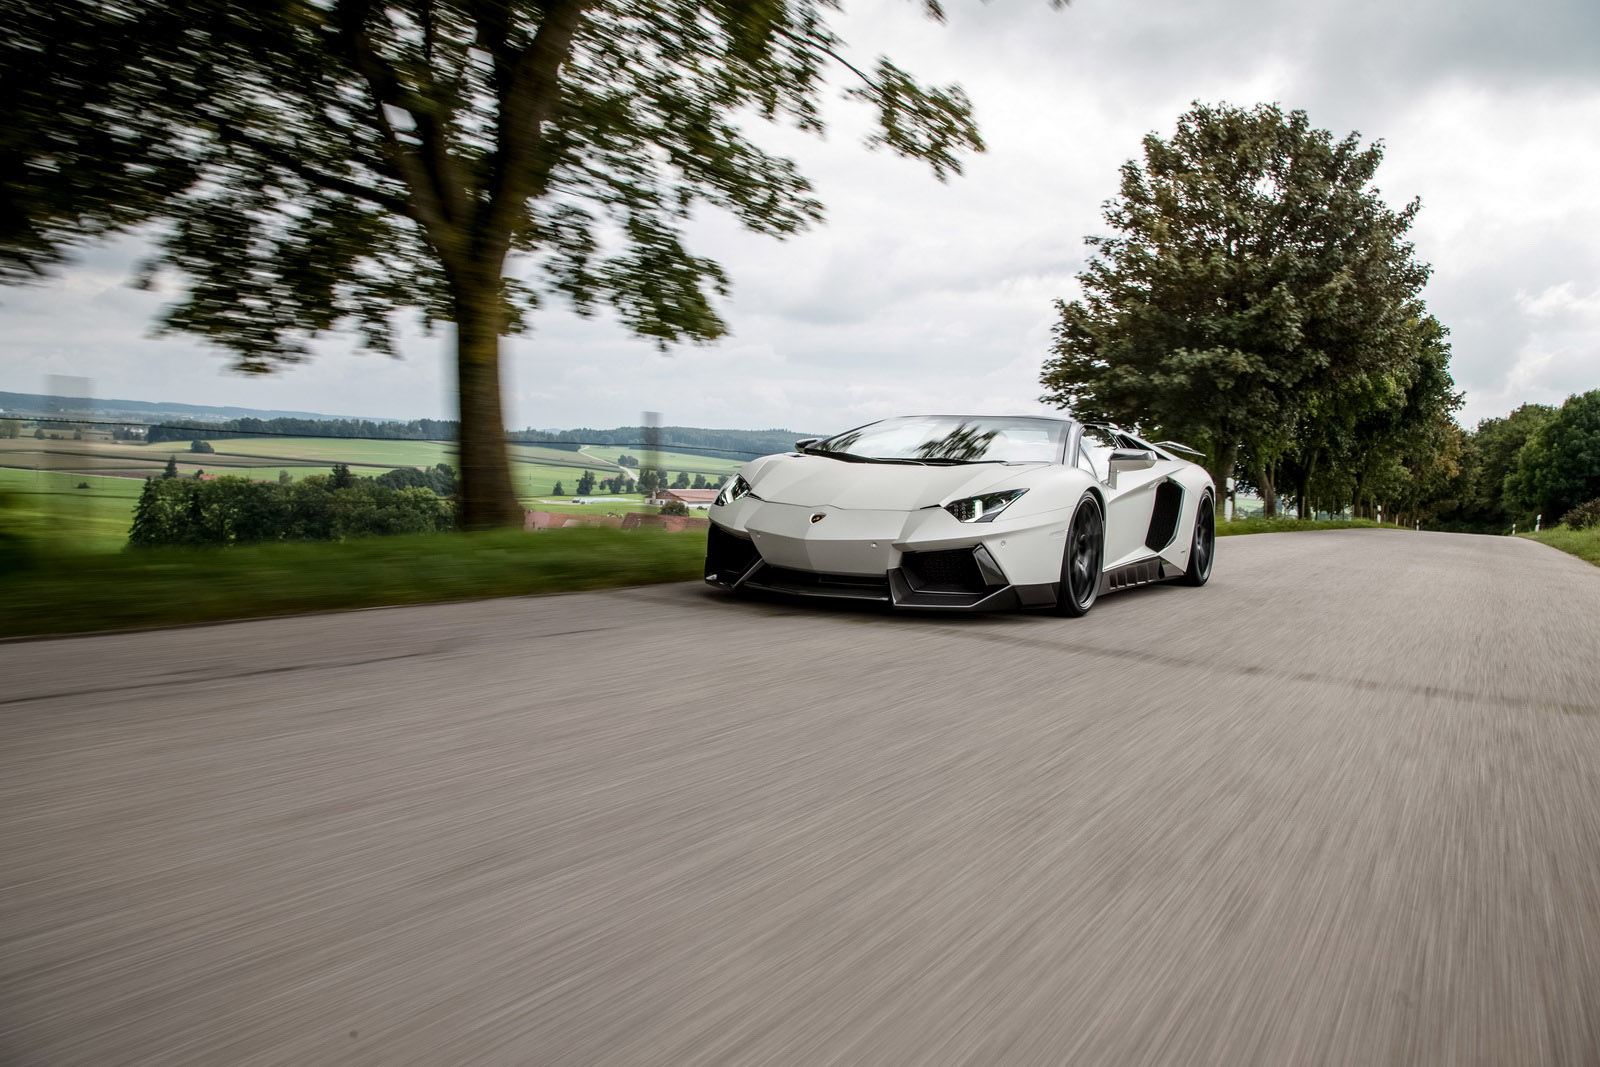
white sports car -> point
(965, 513)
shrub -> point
(83, 485)
(674, 507)
(200, 446)
(1583, 516)
(238, 511)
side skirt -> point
(1139, 572)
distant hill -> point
(696, 440)
(187, 422)
(145, 410)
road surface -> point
(1342, 806)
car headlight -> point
(982, 508)
(734, 490)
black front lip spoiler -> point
(898, 592)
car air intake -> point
(1164, 516)
(950, 571)
(728, 556)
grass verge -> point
(1259, 525)
(77, 592)
(1585, 544)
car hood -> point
(815, 481)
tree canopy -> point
(321, 165)
(1558, 467)
(1257, 297)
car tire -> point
(1203, 545)
(1082, 559)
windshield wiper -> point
(851, 457)
(845, 457)
(945, 461)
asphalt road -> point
(1342, 806)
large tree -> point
(321, 163)
(1559, 466)
(1252, 272)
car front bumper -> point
(923, 559)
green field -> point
(556, 457)
(99, 518)
(1585, 544)
(74, 592)
(673, 462)
(50, 505)
(385, 454)
(619, 505)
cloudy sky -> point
(921, 296)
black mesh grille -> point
(951, 571)
(728, 555)
(1164, 517)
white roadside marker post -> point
(1537, 519)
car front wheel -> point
(1081, 561)
(1204, 546)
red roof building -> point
(670, 523)
(691, 497)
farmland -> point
(673, 462)
(44, 474)
(604, 505)
(49, 504)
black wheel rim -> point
(1205, 538)
(1083, 557)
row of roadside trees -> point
(1257, 298)
(648, 481)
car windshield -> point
(951, 439)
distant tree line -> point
(672, 438)
(690, 439)
(232, 510)
(1537, 460)
(648, 481)
(415, 430)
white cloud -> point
(921, 295)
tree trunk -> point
(487, 497)
(1222, 469)
(1269, 494)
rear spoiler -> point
(1176, 447)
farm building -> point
(694, 498)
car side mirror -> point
(801, 446)
(1132, 459)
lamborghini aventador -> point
(966, 513)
